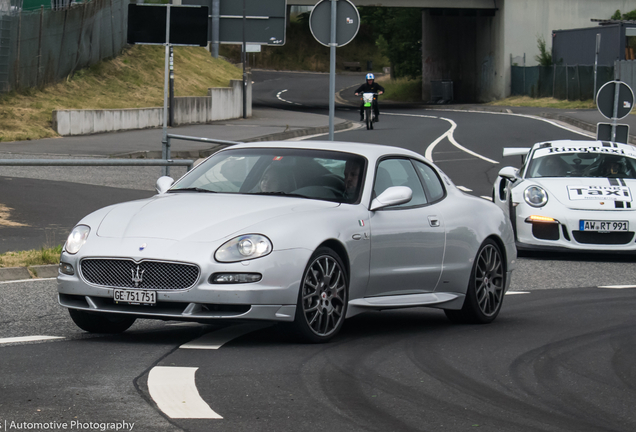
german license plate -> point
(135, 297)
(604, 226)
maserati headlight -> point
(76, 239)
(535, 196)
(242, 248)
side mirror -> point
(509, 173)
(163, 184)
(392, 196)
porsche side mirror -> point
(509, 173)
(392, 196)
(163, 184)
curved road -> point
(560, 356)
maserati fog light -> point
(66, 269)
(233, 278)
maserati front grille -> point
(126, 273)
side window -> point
(399, 172)
(431, 180)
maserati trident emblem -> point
(138, 277)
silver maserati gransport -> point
(307, 233)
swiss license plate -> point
(135, 297)
(604, 226)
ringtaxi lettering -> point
(612, 193)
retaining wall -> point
(222, 103)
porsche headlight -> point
(245, 247)
(76, 239)
(535, 196)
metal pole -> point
(332, 69)
(617, 86)
(165, 149)
(216, 12)
(524, 74)
(244, 70)
(567, 83)
(598, 48)
(171, 123)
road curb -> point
(8, 274)
(198, 154)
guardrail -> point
(164, 162)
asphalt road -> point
(560, 357)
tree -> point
(398, 36)
(544, 58)
(629, 16)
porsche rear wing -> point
(516, 151)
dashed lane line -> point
(278, 96)
(464, 188)
(28, 339)
(517, 292)
(175, 392)
(618, 286)
(215, 340)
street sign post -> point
(334, 23)
(615, 101)
(145, 27)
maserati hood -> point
(198, 217)
(592, 193)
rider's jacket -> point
(373, 88)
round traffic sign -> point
(347, 22)
(606, 100)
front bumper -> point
(565, 233)
(274, 297)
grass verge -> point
(526, 101)
(131, 80)
(32, 257)
(401, 89)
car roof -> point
(370, 151)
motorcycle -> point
(369, 99)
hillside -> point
(132, 80)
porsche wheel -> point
(322, 300)
(101, 323)
(485, 288)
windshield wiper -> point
(192, 189)
(281, 194)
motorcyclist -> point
(370, 87)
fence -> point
(46, 45)
(571, 82)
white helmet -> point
(370, 76)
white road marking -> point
(486, 197)
(28, 339)
(517, 292)
(278, 96)
(464, 188)
(510, 113)
(216, 339)
(618, 286)
(448, 134)
(27, 280)
(175, 392)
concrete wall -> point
(475, 51)
(222, 103)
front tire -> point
(101, 322)
(322, 298)
(367, 118)
(486, 286)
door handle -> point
(434, 221)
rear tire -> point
(486, 286)
(322, 297)
(101, 322)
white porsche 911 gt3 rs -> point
(575, 195)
